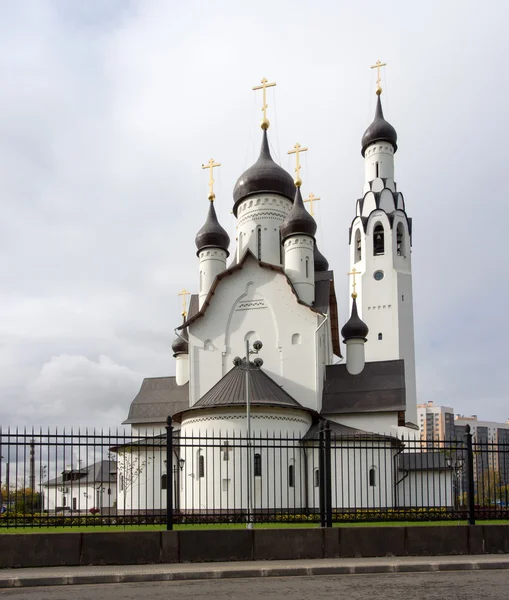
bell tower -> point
(380, 250)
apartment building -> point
(436, 423)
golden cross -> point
(297, 150)
(184, 293)
(210, 165)
(265, 122)
(377, 66)
(312, 198)
(354, 272)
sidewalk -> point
(283, 568)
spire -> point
(212, 235)
(298, 220)
(355, 326)
(265, 176)
(380, 130)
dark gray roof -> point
(104, 471)
(150, 441)
(422, 461)
(212, 235)
(379, 387)
(158, 398)
(323, 281)
(264, 176)
(231, 390)
(379, 131)
(343, 431)
(321, 263)
(298, 221)
(354, 328)
(194, 306)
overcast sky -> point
(108, 108)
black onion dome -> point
(265, 176)
(321, 263)
(212, 235)
(181, 346)
(379, 131)
(298, 221)
(355, 326)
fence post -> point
(321, 473)
(328, 477)
(169, 475)
(470, 477)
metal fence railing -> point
(75, 478)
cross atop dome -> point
(265, 123)
(378, 65)
(297, 149)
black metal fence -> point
(74, 478)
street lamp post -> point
(257, 346)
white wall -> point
(426, 489)
(212, 262)
(267, 212)
(386, 305)
(256, 303)
(93, 495)
(351, 463)
(224, 483)
(300, 266)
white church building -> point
(276, 287)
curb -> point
(248, 572)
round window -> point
(378, 275)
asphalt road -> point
(480, 585)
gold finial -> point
(210, 165)
(354, 272)
(377, 66)
(184, 293)
(265, 122)
(311, 198)
(297, 150)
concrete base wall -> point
(150, 547)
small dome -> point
(354, 327)
(298, 220)
(379, 131)
(265, 176)
(212, 235)
(321, 263)
(181, 346)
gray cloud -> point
(108, 110)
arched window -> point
(226, 451)
(380, 336)
(317, 478)
(296, 339)
(201, 464)
(372, 477)
(377, 170)
(291, 476)
(307, 267)
(257, 467)
(164, 481)
(259, 242)
(358, 246)
(400, 245)
(378, 240)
